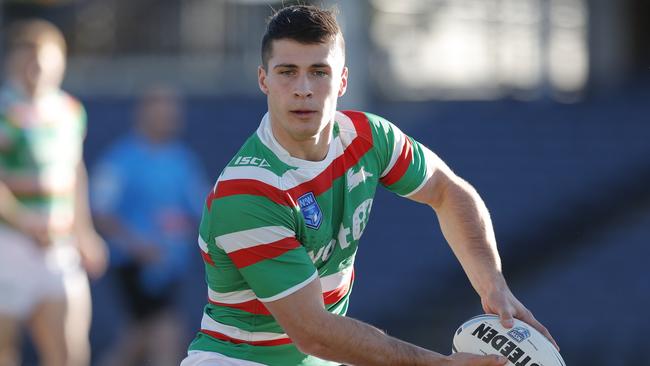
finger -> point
(528, 317)
(506, 318)
(501, 360)
(494, 360)
(500, 309)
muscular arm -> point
(336, 338)
(467, 227)
(322, 334)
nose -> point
(303, 88)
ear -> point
(261, 80)
(344, 81)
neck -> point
(313, 148)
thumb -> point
(494, 360)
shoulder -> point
(253, 175)
(366, 122)
(72, 103)
(374, 129)
(256, 161)
(247, 177)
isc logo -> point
(252, 160)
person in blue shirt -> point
(144, 191)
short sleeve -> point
(258, 237)
(405, 163)
(6, 141)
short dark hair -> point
(306, 24)
(32, 32)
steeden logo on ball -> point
(522, 344)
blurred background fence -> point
(543, 105)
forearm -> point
(9, 206)
(336, 338)
(466, 224)
(82, 216)
(353, 342)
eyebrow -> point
(293, 66)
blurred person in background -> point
(281, 227)
(144, 200)
(46, 234)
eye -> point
(288, 72)
(320, 73)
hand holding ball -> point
(522, 345)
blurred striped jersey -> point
(40, 149)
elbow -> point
(312, 337)
(452, 191)
(311, 328)
(311, 345)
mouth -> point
(303, 113)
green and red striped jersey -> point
(274, 223)
(40, 149)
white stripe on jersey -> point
(400, 140)
(251, 172)
(336, 280)
(203, 245)
(328, 283)
(291, 290)
(202, 358)
(234, 297)
(252, 237)
(236, 333)
(347, 131)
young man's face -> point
(37, 66)
(302, 83)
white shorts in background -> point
(206, 358)
(30, 274)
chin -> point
(305, 134)
(308, 130)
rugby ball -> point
(522, 344)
